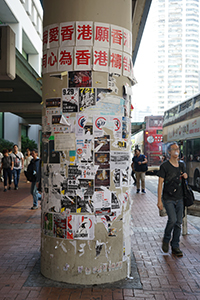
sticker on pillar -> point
(67, 34)
(116, 37)
(65, 141)
(102, 93)
(115, 62)
(116, 177)
(54, 156)
(68, 202)
(53, 106)
(80, 269)
(105, 267)
(102, 143)
(53, 34)
(117, 123)
(87, 98)
(48, 224)
(81, 121)
(100, 59)
(66, 267)
(102, 202)
(102, 178)
(87, 271)
(99, 247)
(88, 131)
(65, 59)
(87, 187)
(84, 227)
(46, 123)
(80, 79)
(70, 227)
(125, 176)
(127, 42)
(45, 39)
(52, 60)
(125, 132)
(112, 83)
(82, 58)
(102, 160)
(45, 62)
(99, 123)
(84, 153)
(119, 159)
(126, 65)
(101, 35)
(70, 100)
(126, 236)
(115, 202)
(84, 33)
(60, 226)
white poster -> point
(52, 60)
(100, 59)
(64, 141)
(82, 58)
(53, 36)
(67, 34)
(118, 159)
(116, 37)
(101, 35)
(65, 59)
(127, 41)
(98, 124)
(115, 62)
(84, 33)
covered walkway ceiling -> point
(23, 95)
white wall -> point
(29, 14)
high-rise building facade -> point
(176, 67)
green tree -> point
(27, 143)
(5, 144)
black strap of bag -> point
(188, 196)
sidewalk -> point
(162, 276)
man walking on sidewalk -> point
(35, 167)
(171, 173)
(140, 166)
(18, 165)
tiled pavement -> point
(162, 275)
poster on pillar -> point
(70, 99)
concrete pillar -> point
(87, 78)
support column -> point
(87, 78)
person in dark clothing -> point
(7, 165)
(139, 161)
(37, 173)
(133, 173)
(171, 196)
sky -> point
(143, 68)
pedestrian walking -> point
(140, 166)
(18, 165)
(7, 167)
(35, 166)
(133, 173)
(171, 173)
(27, 160)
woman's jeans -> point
(174, 210)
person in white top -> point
(18, 165)
(27, 160)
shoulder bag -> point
(188, 196)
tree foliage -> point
(5, 144)
(27, 143)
